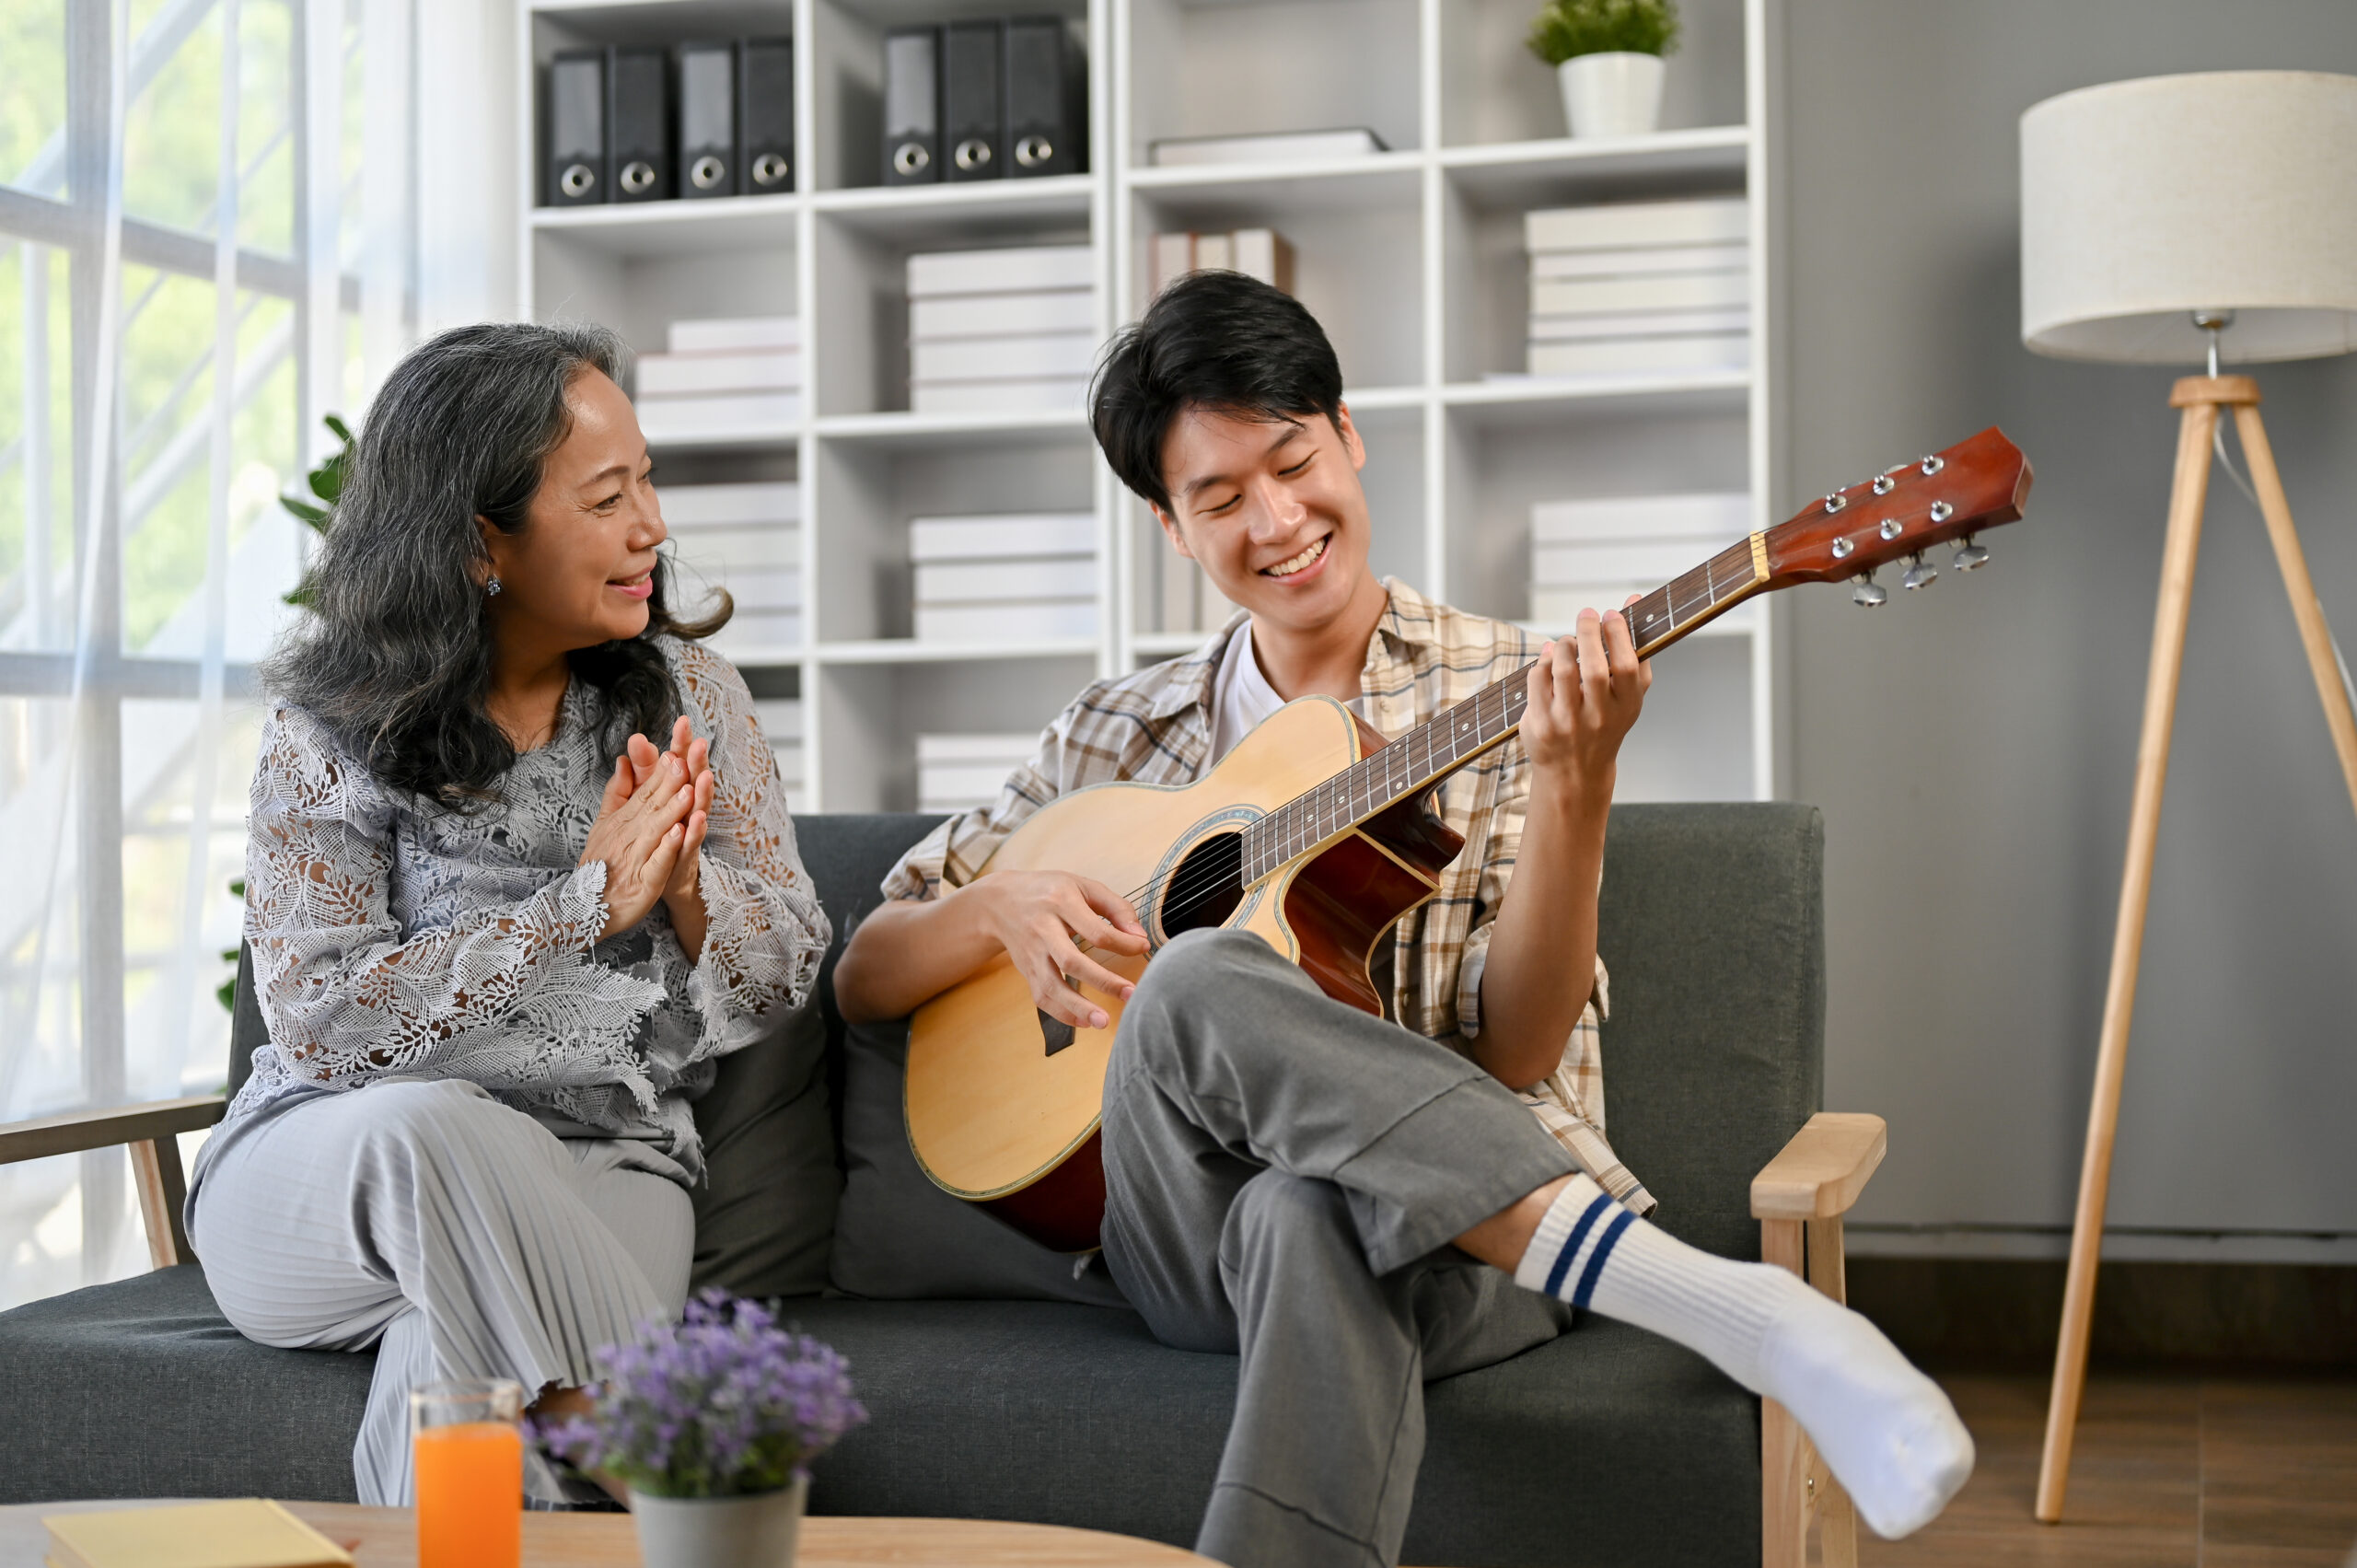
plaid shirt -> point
(1155, 727)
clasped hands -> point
(649, 830)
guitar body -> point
(1004, 1105)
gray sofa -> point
(1607, 1445)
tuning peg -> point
(1969, 556)
(1868, 593)
(1922, 574)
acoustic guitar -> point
(1316, 836)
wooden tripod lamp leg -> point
(2199, 397)
(2293, 563)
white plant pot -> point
(1612, 94)
(755, 1531)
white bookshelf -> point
(1411, 259)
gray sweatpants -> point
(457, 1236)
(1284, 1176)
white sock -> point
(1888, 1431)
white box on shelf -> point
(1676, 291)
(1260, 253)
(762, 629)
(675, 374)
(764, 590)
(730, 505)
(734, 416)
(1001, 535)
(1012, 747)
(1561, 606)
(1034, 356)
(1661, 357)
(719, 554)
(1651, 562)
(1637, 324)
(781, 720)
(1282, 146)
(734, 334)
(1026, 621)
(1644, 261)
(1711, 220)
(1058, 395)
(997, 315)
(983, 582)
(1724, 515)
(943, 787)
(1011, 270)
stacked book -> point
(1276, 146)
(1260, 253)
(1015, 577)
(961, 772)
(747, 538)
(1594, 554)
(781, 722)
(1658, 286)
(1002, 332)
(723, 380)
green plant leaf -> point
(303, 594)
(237, 886)
(227, 992)
(315, 515)
(1564, 30)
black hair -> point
(1216, 340)
(395, 655)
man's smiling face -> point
(1272, 509)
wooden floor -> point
(2168, 1471)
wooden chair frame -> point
(1798, 1198)
(153, 1131)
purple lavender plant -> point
(722, 1403)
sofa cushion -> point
(1607, 1446)
(1712, 921)
(897, 1237)
(141, 1389)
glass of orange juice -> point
(467, 1439)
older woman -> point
(500, 935)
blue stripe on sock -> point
(1570, 1249)
(1595, 1260)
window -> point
(206, 247)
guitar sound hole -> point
(1205, 888)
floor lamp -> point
(2175, 220)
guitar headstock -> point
(1901, 513)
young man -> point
(1354, 1204)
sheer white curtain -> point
(207, 242)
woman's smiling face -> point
(1272, 509)
(582, 569)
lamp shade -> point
(2145, 201)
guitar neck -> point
(1488, 719)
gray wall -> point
(1973, 745)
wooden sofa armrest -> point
(152, 1130)
(1820, 1173)
(1799, 1199)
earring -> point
(491, 588)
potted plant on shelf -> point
(712, 1422)
(1608, 60)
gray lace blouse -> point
(394, 939)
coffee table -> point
(386, 1538)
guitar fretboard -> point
(1433, 751)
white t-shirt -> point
(1241, 695)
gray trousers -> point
(457, 1236)
(1284, 1177)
